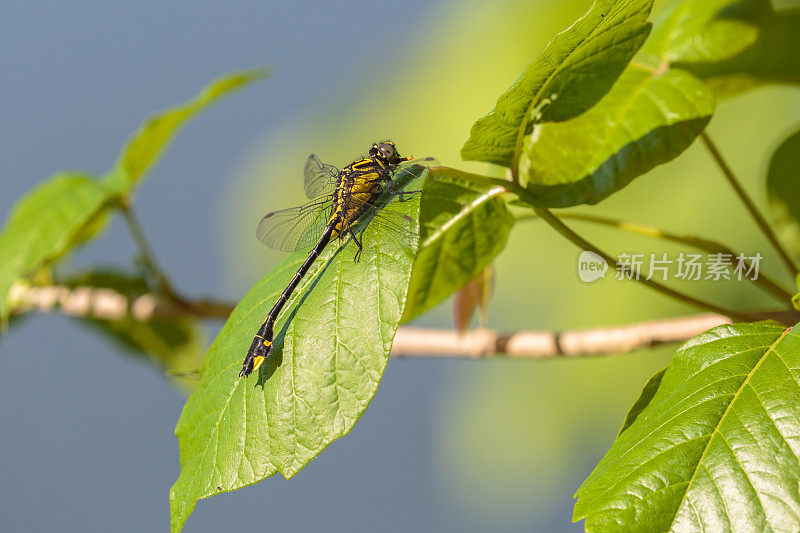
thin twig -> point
(582, 243)
(749, 204)
(558, 225)
(146, 252)
(712, 247)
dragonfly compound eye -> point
(388, 151)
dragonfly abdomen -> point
(261, 346)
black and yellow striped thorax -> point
(359, 184)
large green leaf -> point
(706, 30)
(569, 76)
(647, 119)
(172, 344)
(464, 225)
(783, 191)
(47, 222)
(716, 448)
(146, 145)
(771, 59)
(332, 339)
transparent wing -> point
(295, 228)
(318, 178)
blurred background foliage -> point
(513, 438)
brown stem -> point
(146, 252)
(92, 302)
(713, 247)
(582, 243)
(749, 204)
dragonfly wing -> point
(295, 228)
(318, 178)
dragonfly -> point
(341, 200)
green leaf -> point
(570, 75)
(771, 59)
(783, 191)
(71, 208)
(647, 119)
(333, 340)
(155, 134)
(716, 449)
(464, 225)
(50, 220)
(706, 30)
(649, 390)
(174, 345)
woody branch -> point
(106, 304)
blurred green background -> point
(446, 445)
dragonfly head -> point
(387, 152)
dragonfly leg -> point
(357, 258)
(401, 194)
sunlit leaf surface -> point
(706, 30)
(717, 448)
(464, 225)
(569, 76)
